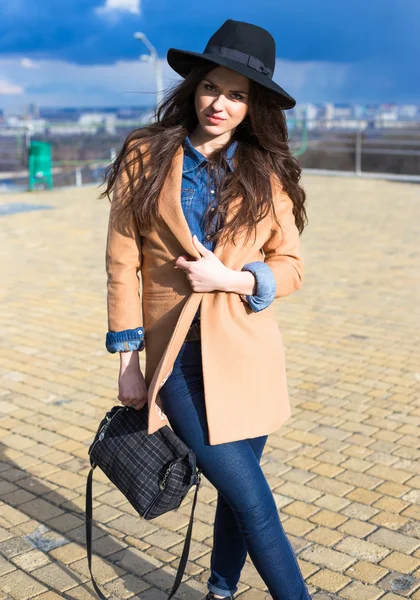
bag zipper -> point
(162, 486)
(105, 426)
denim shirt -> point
(197, 192)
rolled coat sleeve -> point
(266, 285)
(282, 249)
(123, 260)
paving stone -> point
(356, 528)
(13, 515)
(363, 496)
(331, 486)
(366, 572)
(14, 546)
(68, 553)
(389, 520)
(82, 592)
(298, 492)
(329, 580)
(135, 561)
(324, 536)
(392, 596)
(389, 473)
(133, 526)
(396, 561)
(391, 504)
(362, 550)
(126, 586)
(300, 509)
(355, 510)
(58, 577)
(344, 470)
(327, 557)
(296, 526)
(31, 560)
(163, 539)
(411, 528)
(103, 570)
(20, 586)
(49, 596)
(40, 509)
(332, 502)
(5, 566)
(44, 539)
(394, 540)
(328, 518)
(404, 585)
(361, 591)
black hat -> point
(245, 48)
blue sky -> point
(82, 52)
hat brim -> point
(182, 61)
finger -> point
(139, 404)
(132, 402)
(183, 264)
(126, 400)
(200, 247)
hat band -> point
(245, 59)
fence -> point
(389, 149)
(386, 149)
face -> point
(221, 101)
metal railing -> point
(360, 147)
(350, 147)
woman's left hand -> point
(206, 274)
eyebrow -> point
(232, 91)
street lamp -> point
(154, 59)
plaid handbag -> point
(153, 471)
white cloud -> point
(132, 82)
(60, 83)
(113, 6)
(28, 63)
(7, 88)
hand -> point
(206, 274)
(132, 388)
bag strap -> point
(185, 550)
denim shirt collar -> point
(193, 158)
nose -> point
(219, 103)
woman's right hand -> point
(132, 388)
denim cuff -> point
(125, 341)
(266, 285)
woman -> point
(207, 207)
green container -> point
(40, 164)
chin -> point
(214, 129)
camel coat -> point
(242, 351)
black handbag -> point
(153, 471)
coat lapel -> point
(170, 206)
(171, 211)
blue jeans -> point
(247, 520)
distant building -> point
(103, 121)
(409, 112)
(71, 129)
(33, 110)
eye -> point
(238, 96)
(209, 87)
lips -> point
(215, 118)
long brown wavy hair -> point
(262, 151)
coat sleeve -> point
(123, 263)
(282, 249)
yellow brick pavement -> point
(344, 469)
